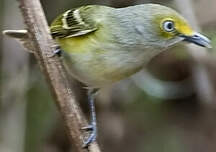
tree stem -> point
(55, 74)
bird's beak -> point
(198, 39)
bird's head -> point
(166, 27)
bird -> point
(101, 45)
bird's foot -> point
(92, 128)
(92, 136)
(57, 52)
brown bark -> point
(56, 77)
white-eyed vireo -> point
(103, 45)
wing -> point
(74, 22)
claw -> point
(91, 138)
(57, 52)
(87, 128)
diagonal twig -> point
(52, 68)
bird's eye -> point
(169, 26)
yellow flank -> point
(75, 44)
(92, 64)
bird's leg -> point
(91, 97)
(93, 124)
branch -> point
(63, 93)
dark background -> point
(171, 119)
